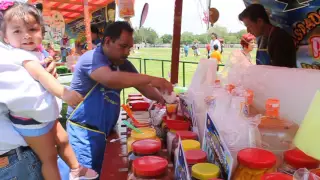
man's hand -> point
(161, 101)
(51, 68)
(162, 84)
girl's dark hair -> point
(20, 10)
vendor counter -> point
(115, 163)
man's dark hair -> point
(215, 47)
(114, 30)
(215, 35)
(254, 12)
(94, 29)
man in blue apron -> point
(100, 75)
(275, 46)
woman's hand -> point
(51, 68)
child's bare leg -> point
(64, 148)
(67, 154)
(44, 147)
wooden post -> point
(87, 23)
(176, 41)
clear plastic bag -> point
(157, 115)
(304, 174)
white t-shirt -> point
(215, 42)
(22, 95)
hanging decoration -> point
(213, 15)
(144, 14)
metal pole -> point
(176, 41)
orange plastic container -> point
(230, 87)
(272, 108)
(249, 97)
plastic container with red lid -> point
(253, 163)
(149, 167)
(134, 98)
(145, 147)
(135, 95)
(276, 176)
(177, 125)
(139, 105)
(195, 156)
(295, 159)
(186, 135)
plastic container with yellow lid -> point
(147, 133)
(204, 171)
(190, 145)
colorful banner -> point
(76, 29)
(181, 166)
(54, 26)
(216, 149)
(300, 18)
(110, 12)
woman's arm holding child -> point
(51, 84)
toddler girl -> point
(21, 27)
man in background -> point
(275, 46)
(215, 41)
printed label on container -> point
(216, 149)
(181, 166)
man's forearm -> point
(150, 92)
(120, 80)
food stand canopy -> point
(72, 9)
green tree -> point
(166, 38)
(240, 33)
(203, 38)
(219, 30)
(147, 35)
(187, 37)
(159, 41)
(231, 39)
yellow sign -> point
(307, 137)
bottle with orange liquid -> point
(276, 133)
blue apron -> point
(89, 125)
(263, 57)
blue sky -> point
(160, 16)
